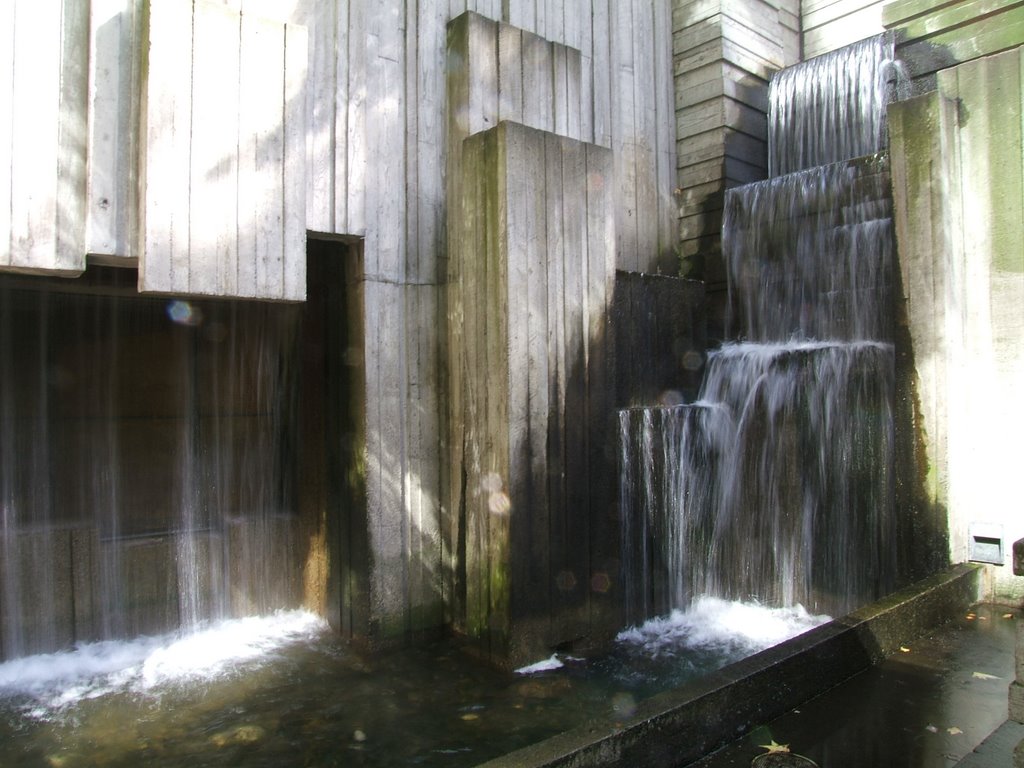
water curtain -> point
(776, 484)
(146, 463)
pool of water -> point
(283, 690)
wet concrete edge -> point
(681, 725)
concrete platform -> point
(884, 698)
(938, 701)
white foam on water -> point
(730, 628)
(545, 665)
(146, 664)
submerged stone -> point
(243, 734)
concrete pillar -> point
(1016, 696)
(530, 379)
(956, 159)
(660, 338)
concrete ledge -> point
(1015, 704)
(681, 725)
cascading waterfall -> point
(810, 254)
(831, 108)
(776, 484)
(146, 463)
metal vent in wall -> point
(986, 543)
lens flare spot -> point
(623, 705)
(499, 503)
(566, 581)
(671, 397)
(692, 360)
(183, 313)
(491, 482)
(600, 582)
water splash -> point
(50, 683)
(733, 629)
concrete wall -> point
(161, 153)
(932, 35)
(831, 24)
(959, 193)
(43, 119)
(724, 53)
(355, 144)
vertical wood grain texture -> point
(116, 29)
(385, 127)
(601, 66)
(356, 140)
(522, 14)
(338, 139)
(259, 120)
(195, 205)
(563, 92)
(343, 49)
(44, 66)
(600, 373)
(573, 575)
(37, 49)
(294, 164)
(425, 199)
(423, 478)
(209, 260)
(665, 139)
(7, 60)
(165, 160)
(527, 414)
(645, 126)
(623, 135)
(538, 83)
(510, 73)
(412, 253)
(326, 139)
(431, 142)
(532, 282)
(567, 105)
(555, 247)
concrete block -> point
(534, 270)
(1018, 557)
(1018, 755)
(44, 160)
(660, 336)
(1016, 702)
(1019, 651)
